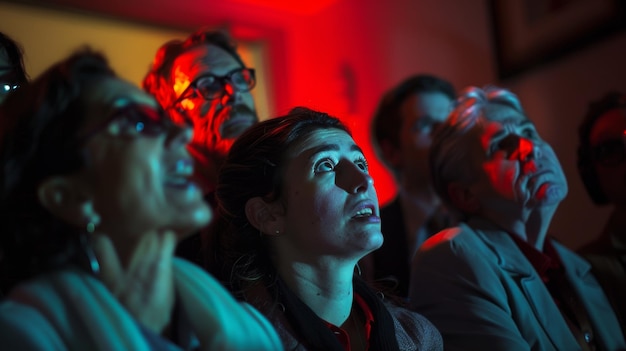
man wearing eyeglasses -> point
(202, 81)
(602, 167)
(12, 73)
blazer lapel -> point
(513, 262)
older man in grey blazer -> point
(498, 281)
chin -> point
(192, 221)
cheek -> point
(502, 176)
(248, 100)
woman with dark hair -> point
(303, 210)
(95, 192)
(12, 73)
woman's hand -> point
(146, 286)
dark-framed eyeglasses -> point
(610, 153)
(211, 86)
(133, 120)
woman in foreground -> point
(95, 192)
(303, 210)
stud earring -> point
(91, 227)
(277, 231)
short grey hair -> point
(449, 153)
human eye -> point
(361, 162)
(140, 122)
(208, 85)
(324, 165)
(530, 133)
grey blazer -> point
(480, 291)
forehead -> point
(321, 139)
(435, 105)
(610, 125)
(205, 59)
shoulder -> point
(414, 329)
(460, 241)
(25, 327)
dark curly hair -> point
(157, 83)
(611, 100)
(15, 54)
(253, 168)
(38, 126)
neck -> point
(532, 226)
(326, 288)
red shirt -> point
(343, 336)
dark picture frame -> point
(528, 33)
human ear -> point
(66, 199)
(263, 216)
(463, 198)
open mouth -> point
(364, 213)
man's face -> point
(517, 170)
(421, 113)
(219, 121)
(607, 138)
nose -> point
(520, 148)
(352, 178)
(229, 95)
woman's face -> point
(331, 207)
(137, 171)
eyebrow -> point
(329, 147)
(503, 131)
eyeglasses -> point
(133, 120)
(211, 86)
(610, 153)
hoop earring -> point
(358, 269)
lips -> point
(536, 179)
(365, 210)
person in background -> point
(602, 168)
(12, 72)
(402, 130)
(498, 281)
(303, 210)
(202, 81)
(95, 192)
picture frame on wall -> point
(529, 33)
